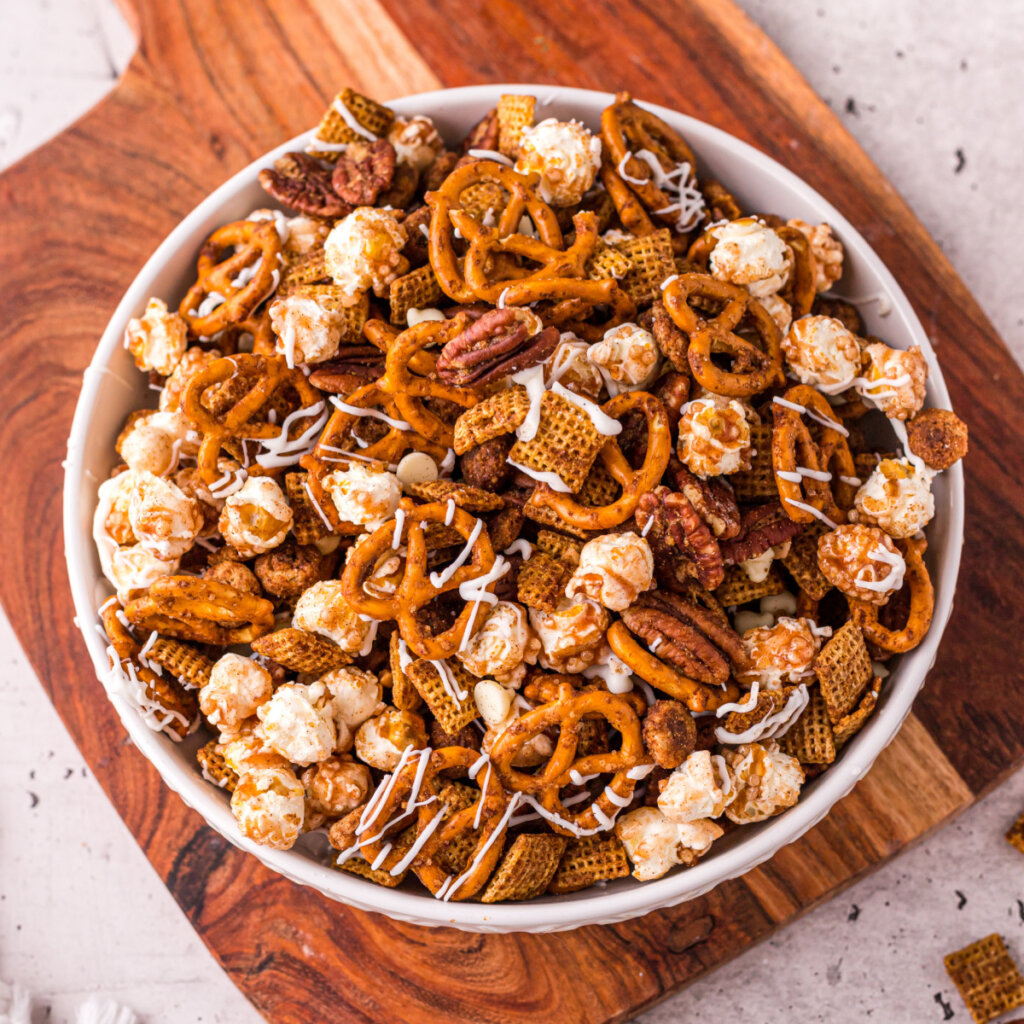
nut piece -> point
(158, 339)
(357, 696)
(669, 733)
(298, 723)
(164, 521)
(256, 517)
(565, 155)
(322, 609)
(237, 688)
(302, 184)
(291, 568)
(897, 498)
(614, 569)
(336, 786)
(381, 739)
(681, 542)
(486, 466)
(500, 343)
(654, 844)
(699, 788)
(269, 805)
(714, 436)
(416, 141)
(365, 251)
(826, 252)
(938, 436)
(571, 635)
(363, 171)
(783, 653)
(822, 352)
(503, 646)
(749, 253)
(628, 357)
(305, 332)
(862, 562)
(767, 781)
(896, 380)
(364, 495)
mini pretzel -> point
(409, 391)
(482, 821)
(486, 244)
(179, 703)
(796, 453)
(523, 199)
(755, 367)
(922, 605)
(634, 482)
(256, 247)
(565, 714)
(626, 129)
(416, 590)
(268, 376)
(203, 610)
(382, 335)
(695, 695)
(331, 451)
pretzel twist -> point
(794, 449)
(241, 421)
(408, 391)
(634, 482)
(416, 590)
(256, 248)
(695, 695)
(755, 367)
(483, 821)
(566, 713)
(922, 604)
(206, 611)
(523, 200)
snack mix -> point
(509, 514)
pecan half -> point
(416, 249)
(712, 498)
(674, 391)
(681, 542)
(363, 171)
(671, 340)
(486, 466)
(689, 637)
(302, 184)
(443, 165)
(355, 366)
(761, 528)
(484, 134)
(497, 345)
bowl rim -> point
(592, 906)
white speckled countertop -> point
(935, 100)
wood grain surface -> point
(212, 86)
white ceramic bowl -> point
(112, 387)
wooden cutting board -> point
(212, 86)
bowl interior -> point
(112, 387)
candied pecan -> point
(673, 389)
(443, 165)
(234, 574)
(486, 466)
(403, 188)
(484, 134)
(690, 637)
(656, 780)
(302, 184)
(719, 202)
(669, 733)
(417, 227)
(355, 366)
(712, 498)
(363, 171)
(938, 436)
(845, 312)
(291, 568)
(505, 526)
(671, 340)
(497, 345)
(468, 736)
(761, 528)
(681, 542)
